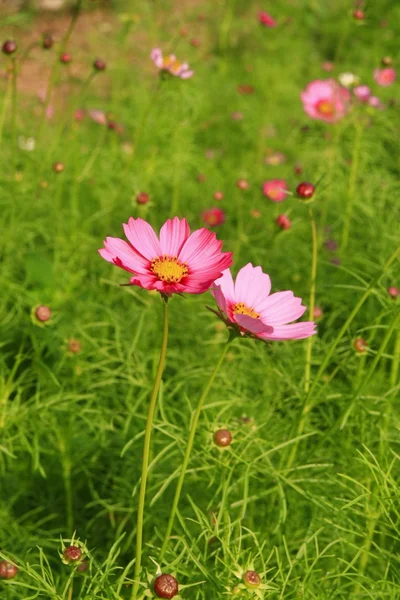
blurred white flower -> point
(27, 144)
(348, 79)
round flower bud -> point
(360, 345)
(305, 190)
(58, 167)
(166, 586)
(7, 570)
(47, 41)
(223, 438)
(83, 566)
(251, 579)
(72, 554)
(74, 346)
(43, 313)
(142, 198)
(387, 61)
(393, 291)
(218, 195)
(99, 65)
(283, 222)
(65, 58)
(242, 184)
(9, 47)
(201, 178)
(318, 312)
(359, 15)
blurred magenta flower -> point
(326, 100)
(375, 102)
(213, 217)
(266, 19)
(98, 116)
(385, 77)
(176, 262)
(283, 222)
(248, 306)
(170, 64)
(275, 189)
(362, 93)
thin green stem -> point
(395, 361)
(307, 374)
(192, 433)
(146, 453)
(14, 113)
(355, 160)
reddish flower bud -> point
(393, 291)
(359, 15)
(142, 198)
(218, 196)
(201, 178)
(223, 438)
(305, 190)
(318, 312)
(242, 184)
(213, 217)
(251, 579)
(43, 313)
(99, 65)
(7, 570)
(166, 586)
(74, 346)
(360, 345)
(9, 47)
(255, 213)
(58, 167)
(72, 554)
(83, 566)
(65, 58)
(47, 41)
(298, 169)
(283, 222)
(245, 89)
(195, 42)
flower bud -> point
(223, 438)
(165, 586)
(360, 345)
(58, 167)
(7, 570)
(74, 346)
(359, 15)
(305, 190)
(43, 313)
(99, 65)
(47, 41)
(218, 196)
(142, 198)
(242, 184)
(393, 291)
(283, 222)
(72, 554)
(9, 47)
(251, 579)
(65, 58)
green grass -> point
(308, 494)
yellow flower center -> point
(171, 64)
(326, 108)
(169, 269)
(241, 309)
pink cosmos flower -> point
(170, 64)
(247, 306)
(213, 217)
(176, 262)
(385, 77)
(375, 102)
(326, 100)
(266, 19)
(98, 116)
(362, 92)
(275, 189)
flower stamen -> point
(169, 269)
(241, 309)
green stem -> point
(192, 433)
(14, 113)
(355, 160)
(146, 452)
(395, 362)
(307, 374)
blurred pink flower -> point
(98, 116)
(326, 100)
(170, 64)
(375, 102)
(266, 19)
(385, 77)
(247, 306)
(362, 93)
(275, 189)
(328, 66)
(213, 217)
(50, 108)
(283, 222)
(275, 158)
(176, 262)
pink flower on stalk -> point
(213, 217)
(385, 77)
(275, 189)
(326, 100)
(266, 19)
(176, 262)
(247, 306)
(170, 64)
(362, 93)
(375, 102)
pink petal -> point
(142, 237)
(173, 234)
(295, 331)
(199, 248)
(157, 57)
(252, 286)
(120, 253)
(224, 290)
(187, 74)
(281, 308)
(255, 326)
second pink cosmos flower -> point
(174, 262)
